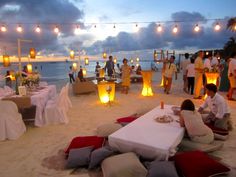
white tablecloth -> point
(40, 99)
(149, 138)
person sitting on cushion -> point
(219, 115)
(192, 121)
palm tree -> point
(231, 25)
(229, 47)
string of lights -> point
(56, 27)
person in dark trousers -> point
(110, 66)
(71, 75)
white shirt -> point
(232, 66)
(217, 105)
(184, 63)
(190, 70)
(170, 70)
(214, 61)
(207, 63)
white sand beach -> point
(38, 151)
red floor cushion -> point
(198, 164)
(126, 119)
(84, 141)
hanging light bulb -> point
(37, 29)
(3, 28)
(32, 53)
(19, 29)
(76, 32)
(137, 59)
(196, 28)
(175, 29)
(159, 28)
(234, 27)
(217, 27)
(56, 30)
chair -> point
(67, 100)
(55, 110)
(11, 123)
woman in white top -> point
(195, 127)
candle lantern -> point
(72, 54)
(104, 55)
(29, 68)
(6, 60)
(74, 66)
(84, 72)
(106, 91)
(115, 60)
(102, 72)
(86, 61)
(32, 53)
(147, 83)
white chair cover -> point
(43, 84)
(11, 123)
(55, 110)
(68, 103)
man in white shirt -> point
(214, 61)
(183, 66)
(219, 115)
(232, 75)
(170, 69)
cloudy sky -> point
(105, 14)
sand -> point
(39, 151)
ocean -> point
(52, 72)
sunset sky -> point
(105, 14)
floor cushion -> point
(105, 130)
(98, 155)
(126, 120)
(162, 169)
(79, 157)
(198, 164)
(84, 141)
(217, 130)
(188, 145)
(123, 165)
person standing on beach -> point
(97, 69)
(170, 69)
(125, 76)
(199, 69)
(183, 66)
(190, 72)
(110, 66)
(232, 76)
(71, 75)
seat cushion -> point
(123, 165)
(79, 157)
(126, 119)
(217, 130)
(188, 145)
(98, 155)
(162, 169)
(201, 165)
(105, 130)
(84, 141)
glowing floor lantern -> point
(6, 60)
(84, 72)
(211, 78)
(147, 83)
(101, 73)
(106, 91)
(74, 66)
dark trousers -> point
(72, 79)
(190, 84)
